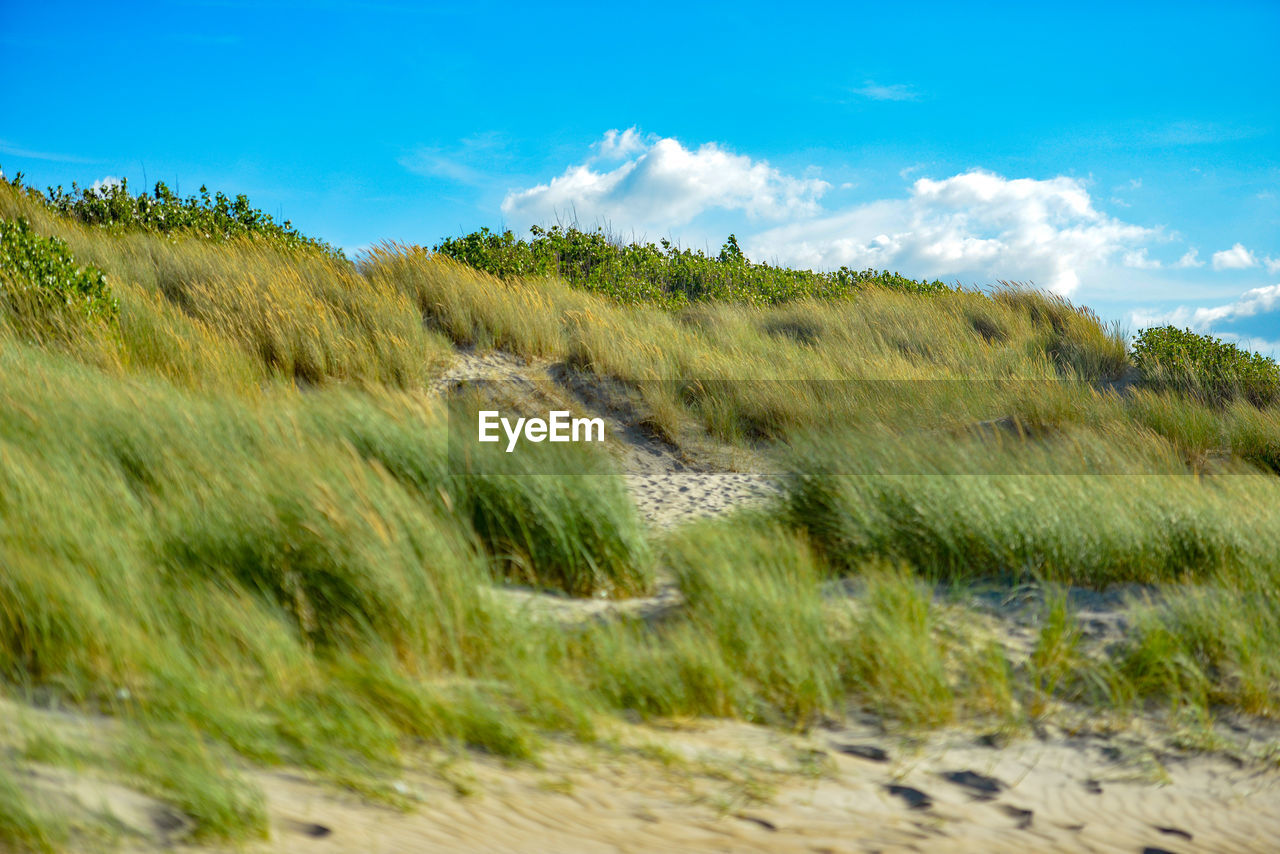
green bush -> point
(1208, 368)
(39, 272)
(213, 217)
(665, 274)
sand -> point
(724, 786)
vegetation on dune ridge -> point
(211, 217)
(1212, 370)
(38, 273)
(665, 274)
(230, 520)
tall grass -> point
(1079, 508)
(242, 565)
(761, 639)
(1209, 648)
(752, 373)
(270, 311)
(23, 826)
(231, 518)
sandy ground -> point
(723, 786)
(1121, 786)
(845, 790)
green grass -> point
(1209, 649)
(230, 517)
(177, 766)
(1080, 508)
(23, 826)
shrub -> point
(1208, 368)
(665, 274)
(39, 272)
(213, 217)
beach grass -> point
(230, 519)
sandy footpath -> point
(667, 487)
(723, 786)
(667, 499)
(749, 789)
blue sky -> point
(1127, 155)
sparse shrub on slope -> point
(1213, 370)
(233, 313)
(38, 276)
(213, 217)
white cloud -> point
(1137, 259)
(1235, 258)
(975, 224)
(661, 184)
(17, 151)
(620, 145)
(1251, 303)
(891, 92)
(435, 163)
(105, 184)
(1265, 346)
(1189, 260)
(1272, 264)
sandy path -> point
(725, 786)
(1043, 796)
(667, 487)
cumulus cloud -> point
(1251, 304)
(1189, 260)
(105, 184)
(975, 224)
(1235, 258)
(620, 145)
(1138, 259)
(662, 184)
(1272, 264)
(892, 92)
